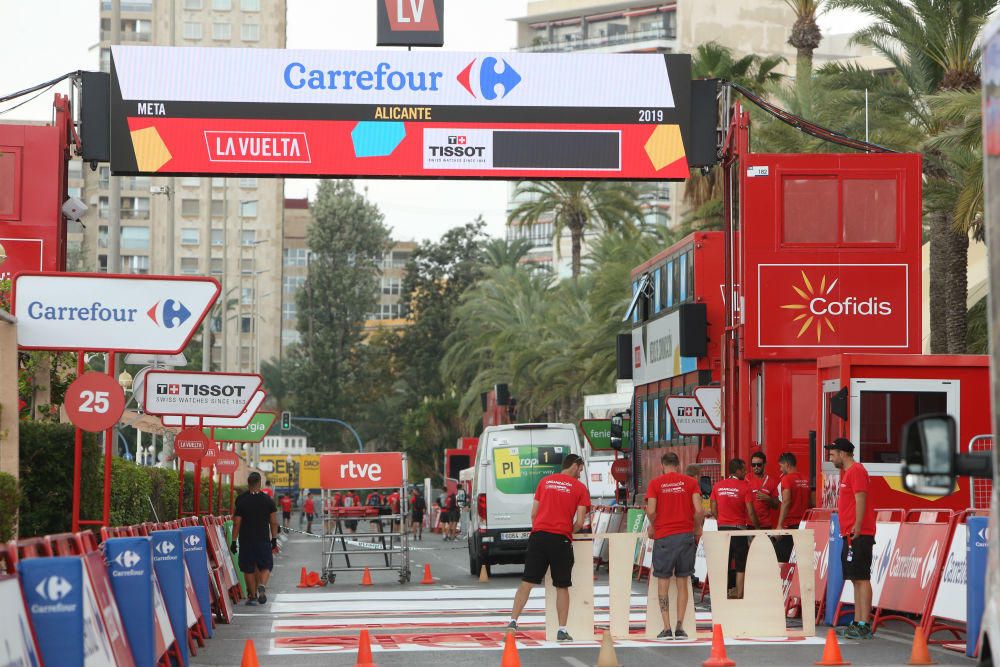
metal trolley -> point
(379, 541)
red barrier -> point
(8, 557)
(915, 567)
(33, 547)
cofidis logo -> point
(833, 305)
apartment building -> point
(229, 228)
(391, 310)
(596, 26)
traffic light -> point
(286, 420)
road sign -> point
(156, 359)
(227, 422)
(190, 445)
(410, 22)
(194, 393)
(431, 114)
(227, 462)
(688, 416)
(621, 470)
(598, 433)
(710, 400)
(84, 311)
(94, 402)
(255, 431)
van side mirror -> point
(616, 431)
(928, 455)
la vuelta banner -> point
(401, 113)
(833, 306)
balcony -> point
(127, 36)
(602, 41)
(129, 6)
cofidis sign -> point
(833, 306)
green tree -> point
(577, 206)
(339, 292)
(934, 46)
(501, 252)
(805, 37)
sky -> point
(30, 54)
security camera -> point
(74, 209)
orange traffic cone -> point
(831, 652)
(249, 655)
(428, 579)
(366, 578)
(718, 658)
(312, 579)
(483, 574)
(303, 583)
(919, 654)
(510, 657)
(364, 651)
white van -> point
(510, 461)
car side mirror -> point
(929, 455)
(616, 431)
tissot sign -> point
(833, 306)
(202, 394)
(410, 22)
(400, 113)
(69, 311)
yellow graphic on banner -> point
(508, 462)
(151, 152)
(303, 473)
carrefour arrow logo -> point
(170, 314)
(490, 78)
(165, 548)
(127, 559)
(53, 588)
(192, 540)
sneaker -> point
(865, 631)
(261, 595)
(563, 636)
(680, 635)
(252, 602)
(854, 631)
(512, 625)
(665, 634)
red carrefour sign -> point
(378, 470)
(914, 566)
(833, 306)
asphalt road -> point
(459, 621)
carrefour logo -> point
(192, 540)
(489, 78)
(127, 559)
(820, 308)
(168, 313)
(53, 588)
(930, 564)
(166, 548)
(883, 563)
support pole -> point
(77, 457)
(109, 444)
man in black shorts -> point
(559, 510)
(255, 527)
(732, 507)
(417, 508)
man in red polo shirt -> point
(559, 510)
(857, 527)
(673, 505)
(766, 498)
(732, 507)
(796, 498)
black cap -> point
(841, 444)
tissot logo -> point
(457, 139)
(226, 390)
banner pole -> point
(180, 489)
(77, 456)
(109, 445)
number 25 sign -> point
(94, 402)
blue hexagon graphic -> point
(374, 138)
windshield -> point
(518, 469)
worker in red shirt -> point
(559, 510)
(309, 508)
(732, 507)
(268, 489)
(766, 498)
(796, 498)
(393, 501)
(673, 505)
(286, 510)
(857, 527)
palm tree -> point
(577, 206)
(933, 44)
(805, 37)
(498, 253)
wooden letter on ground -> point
(580, 624)
(761, 612)
(621, 554)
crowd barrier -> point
(147, 595)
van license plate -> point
(514, 536)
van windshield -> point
(518, 469)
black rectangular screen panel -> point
(556, 150)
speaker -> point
(95, 109)
(838, 403)
(503, 394)
(694, 329)
(484, 399)
(623, 356)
